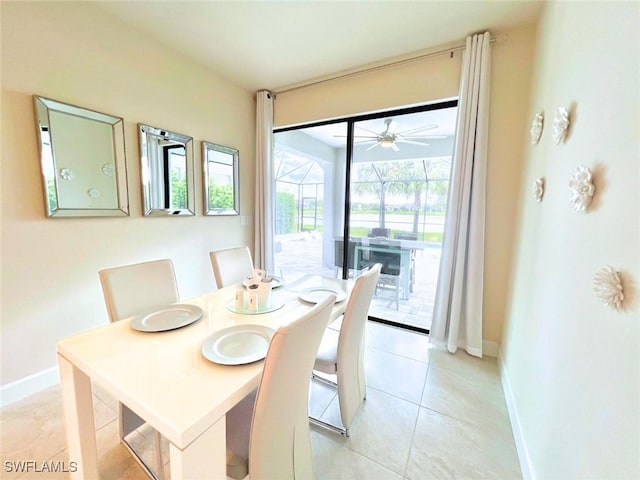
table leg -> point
(78, 413)
(205, 457)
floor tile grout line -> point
(397, 354)
(458, 419)
(394, 396)
(347, 446)
(415, 425)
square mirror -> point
(82, 157)
(167, 172)
(220, 179)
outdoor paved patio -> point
(299, 254)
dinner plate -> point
(237, 345)
(167, 318)
(315, 294)
(277, 282)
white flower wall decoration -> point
(93, 192)
(536, 128)
(537, 190)
(67, 174)
(560, 124)
(608, 287)
(108, 169)
(582, 188)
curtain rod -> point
(450, 50)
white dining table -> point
(164, 378)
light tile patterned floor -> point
(428, 415)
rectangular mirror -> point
(82, 157)
(220, 179)
(167, 172)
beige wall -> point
(573, 364)
(438, 78)
(73, 53)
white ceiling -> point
(272, 44)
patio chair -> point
(338, 248)
(379, 232)
(389, 254)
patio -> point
(298, 254)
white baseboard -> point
(15, 391)
(518, 436)
(490, 349)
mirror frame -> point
(49, 164)
(208, 210)
(145, 130)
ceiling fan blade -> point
(366, 130)
(394, 147)
(413, 143)
(419, 129)
(364, 141)
(373, 146)
(414, 137)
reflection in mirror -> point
(167, 172)
(220, 180)
(82, 157)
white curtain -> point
(265, 203)
(457, 316)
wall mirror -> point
(220, 179)
(167, 172)
(82, 157)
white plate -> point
(237, 345)
(315, 294)
(168, 318)
(277, 282)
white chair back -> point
(350, 361)
(231, 265)
(129, 290)
(132, 289)
(280, 445)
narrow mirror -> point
(167, 172)
(82, 157)
(220, 179)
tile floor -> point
(428, 414)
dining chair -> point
(268, 433)
(341, 352)
(231, 265)
(129, 290)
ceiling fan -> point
(389, 138)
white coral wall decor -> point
(108, 169)
(608, 287)
(582, 188)
(536, 128)
(560, 124)
(537, 190)
(67, 174)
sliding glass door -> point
(379, 181)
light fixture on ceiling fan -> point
(389, 138)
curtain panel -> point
(265, 202)
(457, 316)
